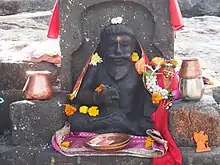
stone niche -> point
(82, 20)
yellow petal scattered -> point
(149, 141)
(65, 144)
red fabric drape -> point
(160, 118)
(175, 15)
(54, 28)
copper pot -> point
(190, 68)
(38, 86)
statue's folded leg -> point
(116, 121)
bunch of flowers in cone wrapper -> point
(149, 72)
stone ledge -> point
(34, 122)
(14, 75)
(188, 117)
(44, 155)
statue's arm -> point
(86, 91)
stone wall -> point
(192, 8)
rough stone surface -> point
(190, 157)
(81, 24)
(17, 155)
(9, 97)
(13, 75)
(10, 155)
(34, 122)
(191, 8)
(8, 7)
(188, 117)
(216, 94)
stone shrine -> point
(81, 21)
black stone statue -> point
(125, 107)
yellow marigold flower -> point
(65, 144)
(157, 61)
(99, 88)
(83, 109)
(95, 59)
(93, 111)
(156, 98)
(69, 110)
(174, 62)
(134, 57)
(149, 141)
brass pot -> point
(38, 86)
(190, 69)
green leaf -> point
(147, 73)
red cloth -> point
(160, 118)
(54, 28)
(175, 15)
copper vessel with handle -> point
(38, 86)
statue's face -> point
(118, 47)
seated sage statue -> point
(125, 106)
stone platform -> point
(37, 118)
(45, 155)
(187, 117)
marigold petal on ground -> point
(149, 141)
(65, 144)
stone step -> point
(13, 75)
(45, 155)
(34, 122)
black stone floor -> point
(45, 155)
